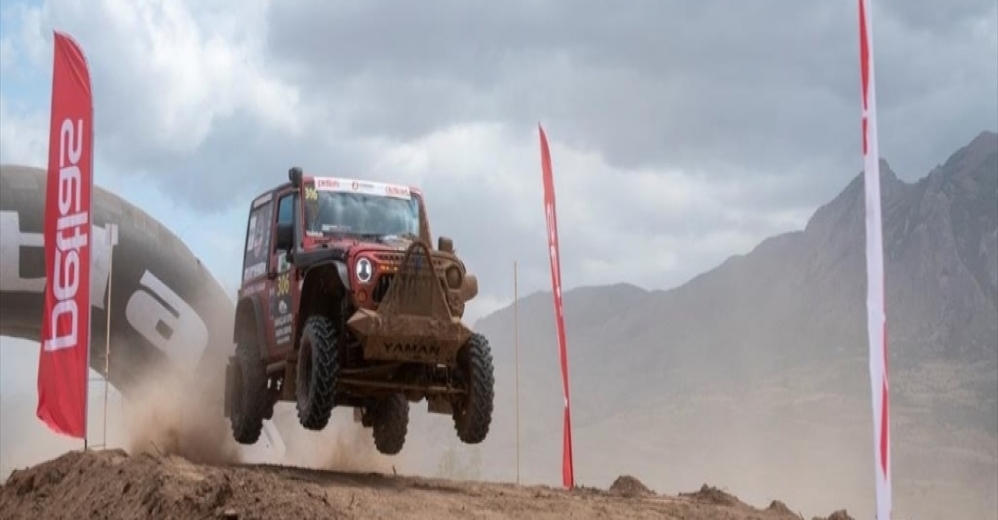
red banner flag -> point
(567, 470)
(63, 366)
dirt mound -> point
(112, 484)
(629, 486)
(776, 505)
(96, 484)
(712, 495)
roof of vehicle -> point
(347, 184)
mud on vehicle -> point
(344, 303)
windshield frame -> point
(324, 189)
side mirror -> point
(285, 236)
(445, 244)
(470, 287)
(294, 175)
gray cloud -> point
(765, 86)
(758, 103)
(646, 85)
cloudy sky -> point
(681, 132)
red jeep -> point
(343, 302)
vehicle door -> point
(286, 285)
(256, 282)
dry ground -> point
(112, 484)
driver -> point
(324, 213)
(312, 215)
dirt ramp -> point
(112, 485)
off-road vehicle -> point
(343, 302)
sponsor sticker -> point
(366, 187)
(255, 288)
(283, 327)
(260, 201)
(254, 271)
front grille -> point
(385, 280)
(381, 286)
(395, 259)
(389, 264)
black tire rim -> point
(239, 404)
(469, 396)
(305, 369)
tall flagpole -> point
(112, 240)
(516, 343)
(875, 298)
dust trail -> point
(172, 415)
(342, 446)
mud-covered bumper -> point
(409, 338)
(413, 323)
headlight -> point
(364, 270)
(453, 276)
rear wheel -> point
(250, 399)
(473, 415)
(391, 423)
(318, 370)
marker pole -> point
(516, 343)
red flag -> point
(63, 366)
(567, 471)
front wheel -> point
(391, 423)
(474, 414)
(318, 371)
(250, 399)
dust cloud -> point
(169, 415)
(343, 445)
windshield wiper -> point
(370, 236)
(405, 236)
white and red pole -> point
(875, 298)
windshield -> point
(360, 208)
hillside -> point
(754, 374)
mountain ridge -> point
(833, 223)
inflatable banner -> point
(168, 312)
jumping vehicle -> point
(343, 302)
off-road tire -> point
(391, 423)
(250, 401)
(474, 414)
(318, 371)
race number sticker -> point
(281, 309)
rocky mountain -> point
(755, 373)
